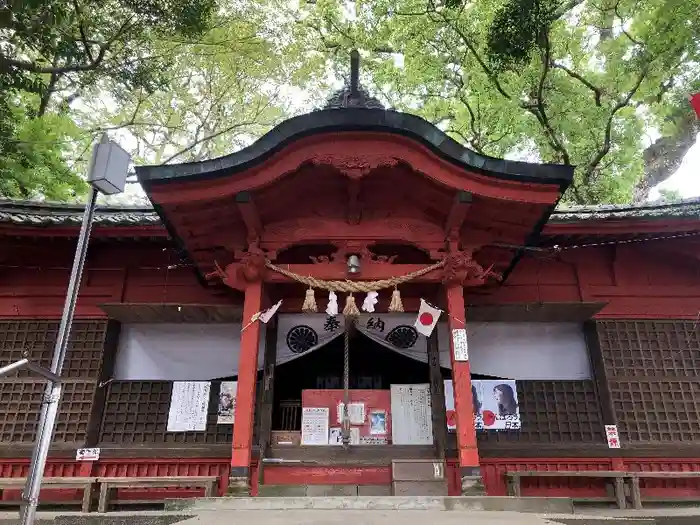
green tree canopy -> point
(578, 82)
(581, 82)
(52, 51)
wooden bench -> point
(617, 478)
(635, 492)
(85, 484)
(109, 485)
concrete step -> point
(105, 519)
(322, 491)
(384, 503)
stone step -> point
(324, 491)
(106, 519)
(439, 503)
(301, 517)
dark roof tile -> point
(56, 214)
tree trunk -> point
(664, 157)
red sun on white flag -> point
(427, 318)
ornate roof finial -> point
(352, 95)
(354, 72)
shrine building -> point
(437, 308)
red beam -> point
(153, 230)
(457, 213)
(249, 212)
(354, 210)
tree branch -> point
(197, 142)
(597, 93)
(472, 48)
(605, 148)
(539, 110)
(92, 64)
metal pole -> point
(52, 395)
(18, 365)
(25, 363)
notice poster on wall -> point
(411, 419)
(459, 342)
(613, 436)
(335, 436)
(356, 413)
(227, 403)
(189, 404)
(314, 426)
(496, 405)
(377, 422)
(450, 405)
(87, 454)
(494, 402)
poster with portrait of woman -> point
(498, 408)
(227, 403)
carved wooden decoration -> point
(355, 166)
(461, 268)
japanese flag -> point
(427, 318)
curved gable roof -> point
(363, 120)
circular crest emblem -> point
(301, 338)
(403, 336)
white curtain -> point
(534, 351)
(179, 352)
(201, 352)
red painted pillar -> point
(239, 480)
(468, 452)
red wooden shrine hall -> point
(349, 180)
(395, 194)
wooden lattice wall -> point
(653, 372)
(555, 412)
(136, 412)
(22, 393)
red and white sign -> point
(695, 102)
(87, 454)
(613, 436)
(427, 318)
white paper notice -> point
(356, 411)
(87, 454)
(335, 436)
(314, 426)
(411, 415)
(459, 340)
(612, 436)
(189, 404)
